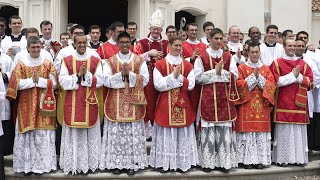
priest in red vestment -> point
(80, 109)
(173, 138)
(216, 73)
(256, 87)
(110, 48)
(293, 77)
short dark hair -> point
(241, 34)
(252, 45)
(302, 32)
(69, 25)
(206, 24)
(131, 23)
(249, 31)
(170, 27)
(124, 34)
(79, 35)
(14, 17)
(191, 24)
(286, 32)
(2, 19)
(300, 40)
(33, 40)
(31, 30)
(64, 34)
(94, 27)
(44, 23)
(116, 24)
(216, 31)
(78, 26)
(272, 26)
(172, 39)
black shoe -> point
(300, 165)
(163, 171)
(282, 165)
(224, 170)
(27, 174)
(116, 171)
(259, 166)
(206, 170)
(130, 172)
(248, 166)
(149, 139)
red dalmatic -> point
(107, 50)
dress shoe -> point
(224, 170)
(300, 165)
(282, 165)
(163, 171)
(116, 171)
(248, 166)
(206, 170)
(180, 171)
(259, 166)
(130, 172)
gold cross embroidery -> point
(140, 96)
(233, 94)
(182, 101)
(48, 102)
(91, 99)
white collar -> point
(253, 65)
(174, 60)
(294, 57)
(125, 57)
(32, 62)
(235, 46)
(84, 56)
(193, 42)
(111, 41)
(214, 53)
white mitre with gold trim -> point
(157, 19)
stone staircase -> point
(271, 172)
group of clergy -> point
(210, 101)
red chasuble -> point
(145, 45)
(255, 105)
(216, 100)
(107, 50)
(28, 111)
(80, 107)
(187, 51)
(287, 110)
(173, 107)
(119, 104)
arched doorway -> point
(7, 12)
(98, 12)
(188, 16)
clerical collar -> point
(111, 41)
(46, 42)
(270, 45)
(153, 39)
(124, 57)
(15, 37)
(174, 60)
(214, 53)
(133, 41)
(81, 57)
(234, 46)
(193, 42)
(294, 57)
(254, 65)
(94, 45)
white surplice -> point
(123, 143)
(270, 53)
(34, 151)
(80, 147)
(7, 43)
(6, 63)
(173, 148)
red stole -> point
(81, 106)
(145, 45)
(187, 51)
(30, 115)
(255, 105)
(173, 106)
(107, 50)
(119, 106)
(286, 109)
(216, 101)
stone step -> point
(271, 172)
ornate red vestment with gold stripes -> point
(81, 107)
(287, 107)
(174, 110)
(145, 45)
(255, 105)
(120, 105)
(107, 50)
(28, 111)
(216, 99)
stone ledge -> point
(272, 172)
